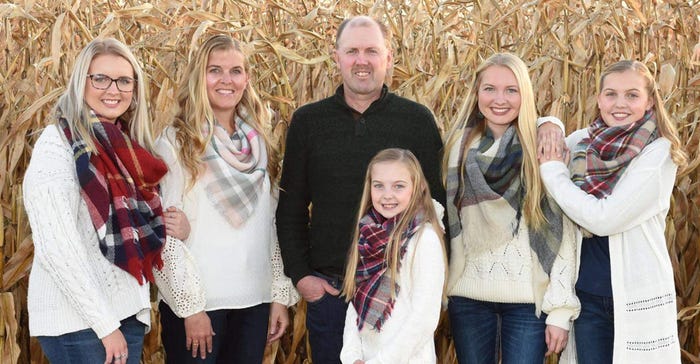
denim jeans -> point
(325, 321)
(482, 329)
(595, 329)
(241, 335)
(84, 347)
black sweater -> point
(328, 148)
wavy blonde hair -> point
(421, 202)
(71, 104)
(526, 126)
(667, 126)
(195, 110)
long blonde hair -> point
(195, 110)
(421, 203)
(525, 124)
(71, 104)
(667, 127)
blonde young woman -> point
(618, 189)
(513, 253)
(224, 292)
(96, 218)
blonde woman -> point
(513, 257)
(618, 189)
(96, 218)
(224, 291)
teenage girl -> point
(398, 264)
(513, 260)
(618, 188)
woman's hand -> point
(550, 143)
(176, 223)
(279, 321)
(199, 334)
(556, 339)
(115, 347)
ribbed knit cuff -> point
(560, 317)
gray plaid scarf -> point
(235, 170)
(491, 193)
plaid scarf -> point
(600, 159)
(491, 195)
(235, 170)
(119, 183)
(372, 300)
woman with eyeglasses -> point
(95, 213)
(223, 288)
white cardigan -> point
(633, 217)
(71, 286)
(219, 266)
(407, 336)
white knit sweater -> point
(505, 269)
(71, 286)
(219, 266)
(407, 335)
(634, 219)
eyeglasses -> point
(103, 82)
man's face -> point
(363, 60)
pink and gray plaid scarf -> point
(372, 300)
(119, 183)
(599, 160)
(236, 166)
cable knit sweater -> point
(407, 335)
(634, 219)
(505, 269)
(219, 266)
(71, 286)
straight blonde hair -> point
(421, 203)
(525, 124)
(71, 104)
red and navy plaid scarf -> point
(600, 159)
(372, 300)
(119, 183)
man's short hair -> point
(362, 21)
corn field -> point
(437, 45)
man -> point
(329, 144)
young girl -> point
(398, 264)
(224, 291)
(513, 253)
(618, 187)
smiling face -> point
(498, 98)
(111, 103)
(226, 82)
(623, 98)
(363, 60)
(391, 188)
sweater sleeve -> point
(352, 343)
(293, 208)
(51, 194)
(642, 192)
(427, 275)
(283, 290)
(178, 281)
(560, 302)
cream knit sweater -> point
(71, 286)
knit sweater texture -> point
(72, 286)
(326, 157)
(633, 217)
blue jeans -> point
(482, 329)
(325, 321)
(594, 329)
(241, 335)
(84, 347)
